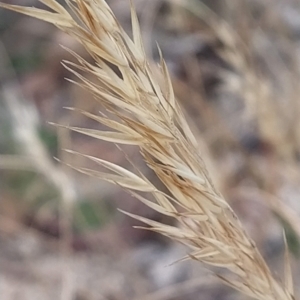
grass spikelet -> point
(148, 116)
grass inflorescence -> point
(147, 115)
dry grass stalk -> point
(149, 117)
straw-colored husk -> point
(148, 116)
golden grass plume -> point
(148, 116)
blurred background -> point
(235, 69)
